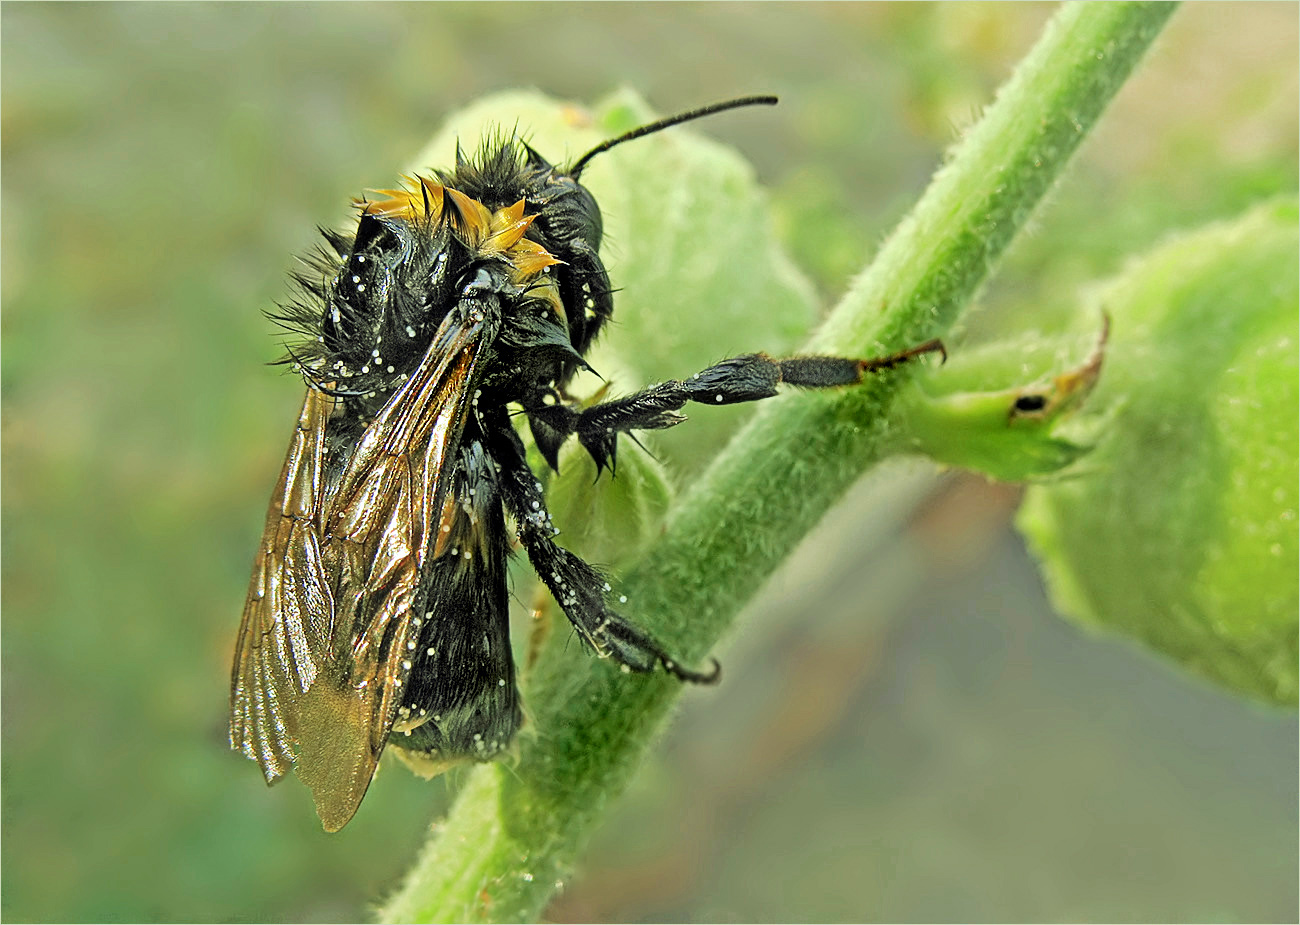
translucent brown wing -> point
(318, 669)
(288, 615)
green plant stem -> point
(513, 835)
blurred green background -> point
(906, 732)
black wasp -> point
(377, 610)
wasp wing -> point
(318, 677)
(288, 614)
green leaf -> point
(1181, 530)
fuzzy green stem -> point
(515, 831)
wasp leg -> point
(751, 377)
(579, 589)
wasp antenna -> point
(669, 122)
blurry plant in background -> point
(902, 708)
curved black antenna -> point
(662, 124)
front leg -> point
(751, 377)
(578, 588)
